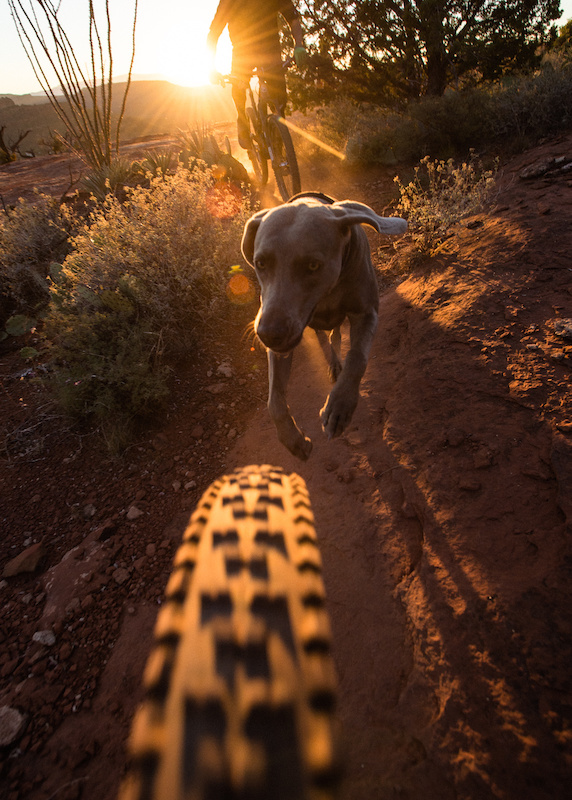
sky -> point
(170, 41)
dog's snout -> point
(275, 332)
(271, 333)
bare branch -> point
(86, 108)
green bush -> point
(108, 366)
(440, 195)
(112, 178)
(530, 108)
(144, 283)
(31, 236)
(507, 116)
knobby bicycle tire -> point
(284, 161)
(257, 152)
(240, 684)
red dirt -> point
(444, 516)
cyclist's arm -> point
(297, 33)
(290, 14)
(218, 24)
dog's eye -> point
(313, 266)
(259, 263)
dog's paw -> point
(303, 449)
(294, 440)
(336, 414)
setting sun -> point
(190, 64)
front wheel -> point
(257, 152)
(240, 685)
(283, 155)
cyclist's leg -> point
(270, 61)
(242, 70)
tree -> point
(563, 42)
(389, 49)
(86, 108)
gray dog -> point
(313, 264)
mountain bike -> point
(270, 139)
(240, 684)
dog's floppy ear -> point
(351, 213)
(249, 235)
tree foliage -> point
(384, 50)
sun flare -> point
(191, 65)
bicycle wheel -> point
(240, 684)
(257, 151)
(284, 161)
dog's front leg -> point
(288, 432)
(342, 401)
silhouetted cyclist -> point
(253, 31)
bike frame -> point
(270, 137)
(258, 97)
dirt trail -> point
(444, 513)
(444, 517)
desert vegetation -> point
(103, 292)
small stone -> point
(151, 549)
(225, 370)
(231, 434)
(120, 575)
(11, 725)
(176, 485)
(190, 485)
(356, 438)
(197, 432)
(563, 328)
(216, 388)
(483, 458)
(89, 511)
(65, 651)
(134, 513)
(47, 638)
(27, 561)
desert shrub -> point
(31, 236)
(510, 115)
(144, 282)
(529, 108)
(159, 164)
(112, 178)
(108, 365)
(440, 195)
(200, 145)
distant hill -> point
(153, 107)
